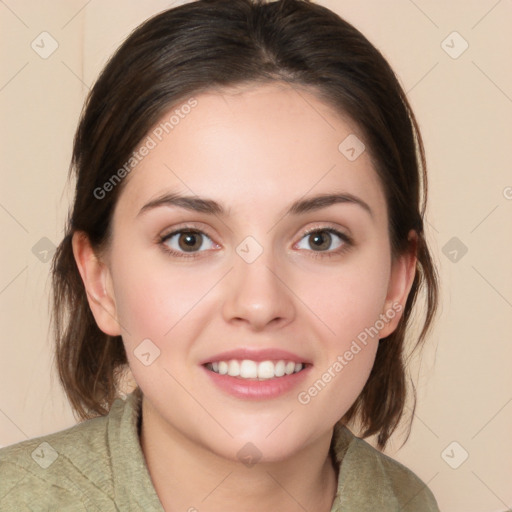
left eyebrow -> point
(318, 202)
(192, 203)
(209, 206)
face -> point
(250, 271)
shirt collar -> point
(132, 483)
(363, 483)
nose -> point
(257, 295)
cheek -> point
(158, 306)
(333, 389)
(349, 300)
(154, 298)
(350, 297)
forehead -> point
(260, 144)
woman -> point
(246, 242)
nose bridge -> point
(255, 293)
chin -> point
(266, 445)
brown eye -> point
(324, 240)
(320, 240)
(188, 241)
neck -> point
(189, 477)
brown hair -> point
(213, 44)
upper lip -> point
(258, 355)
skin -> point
(255, 150)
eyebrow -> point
(209, 206)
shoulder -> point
(382, 483)
(61, 468)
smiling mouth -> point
(262, 370)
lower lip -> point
(257, 389)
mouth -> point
(248, 369)
(257, 374)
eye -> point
(324, 240)
(187, 241)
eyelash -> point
(348, 243)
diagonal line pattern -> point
(492, 81)
(83, 83)
(198, 301)
(13, 487)
(432, 226)
(14, 76)
(493, 287)
(198, 403)
(13, 218)
(13, 279)
(404, 506)
(14, 423)
(492, 211)
(499, 410)
(96, 301)
(422, 78)
(424, 424)
(279, 424)
(424, 14)
(76, 14)
(216, 487)
(2, 2)
(301, 301)
(296, 90)
(485, 15)
(490, 490)
(286, 491)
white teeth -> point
(280, 368)
(248, 369)
(266, 370)
(290, 368)
(223, 367)
(234, 368)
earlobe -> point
(403, 272)
(96, 278)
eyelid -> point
(203, 229)
(166, 235)
(329, 227)
(347, 239)
(347, 242)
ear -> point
(98, 284)
(403, 271)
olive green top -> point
(98, 465)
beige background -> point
(464, 106)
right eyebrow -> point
(211, 207)
(192, 203)
(321, 201)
